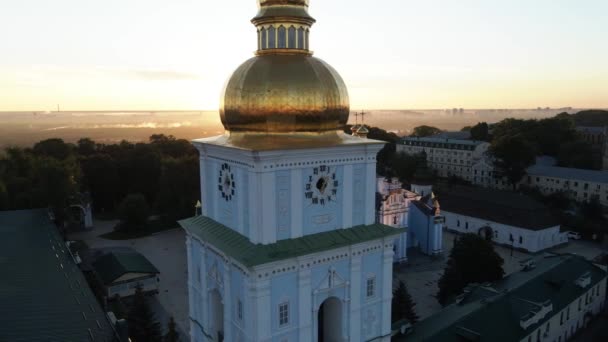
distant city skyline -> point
(392, 54)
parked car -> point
(573, 235)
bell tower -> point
(287, 247)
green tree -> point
(4, 202)
(133, 212)
(55, 182)
(54, 148)
(403, 306)
(179, 188)
(425, 131)
(480, 132)
(171, 335)
(143, 326)
(101, 179)
(577, 154)
(86, 147)
(513, 154)
(471, 260)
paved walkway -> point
(167, 251)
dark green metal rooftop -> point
(43, 294)
(115, 264)
(493, 313)
(249, 254)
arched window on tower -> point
(282, 37)
(263, 39)
(301, 38)
(307, 40)
(291, 37)
(272, 38)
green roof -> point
(493, 313)
(114, 264)
(249, 254)
(43, 294)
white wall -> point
(579, 190)
(531, 240)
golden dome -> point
(284, 89)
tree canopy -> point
(471, 260)
(480, 132)
(513, 154)
(143, 326)
(425, 131)
(403, 306)
(53, 173)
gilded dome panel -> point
(284, 93)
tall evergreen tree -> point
(403, 305)
(171, 335)
(472, 260)
(143, 326)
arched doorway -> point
(486, 233)
(217, 316)
(330, 321)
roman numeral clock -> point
(226, 184)
(321, 187)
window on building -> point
(466, 225)
(263, 39)
(283, 314)
(457, 223)
(521, 239)
(291, 37)
(239, 309)
(580, 301)
(371, 287)
(394, 219)
(272, 37)
(568, 313)
(586, 186)
(548, 327)
(575, 183)
(561, 318)
(282, 41)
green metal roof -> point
(494, 313)
(114, 264)
(249, 254)
(43, 294)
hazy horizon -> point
(136, 55)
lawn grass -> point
(152, 227)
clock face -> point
(322, 186)
(226, 184)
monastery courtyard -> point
(166, 250)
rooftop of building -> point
(114, 264)
(43, 294)
(448, 141)
(424, 208)
(459, 135)
(595, 176)
(493, 312)
(591, 129)
(499, 206)
(240, 248)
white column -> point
(255, 234)
(347, 196)
(242, 201)
(297, 195)
(228, 324)
(370, 192)
(355, 299)
(260, 299)
(269, 206)
(191, 302)
(204, 196)
(203, 290)
(387, 290)
(305, 304)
